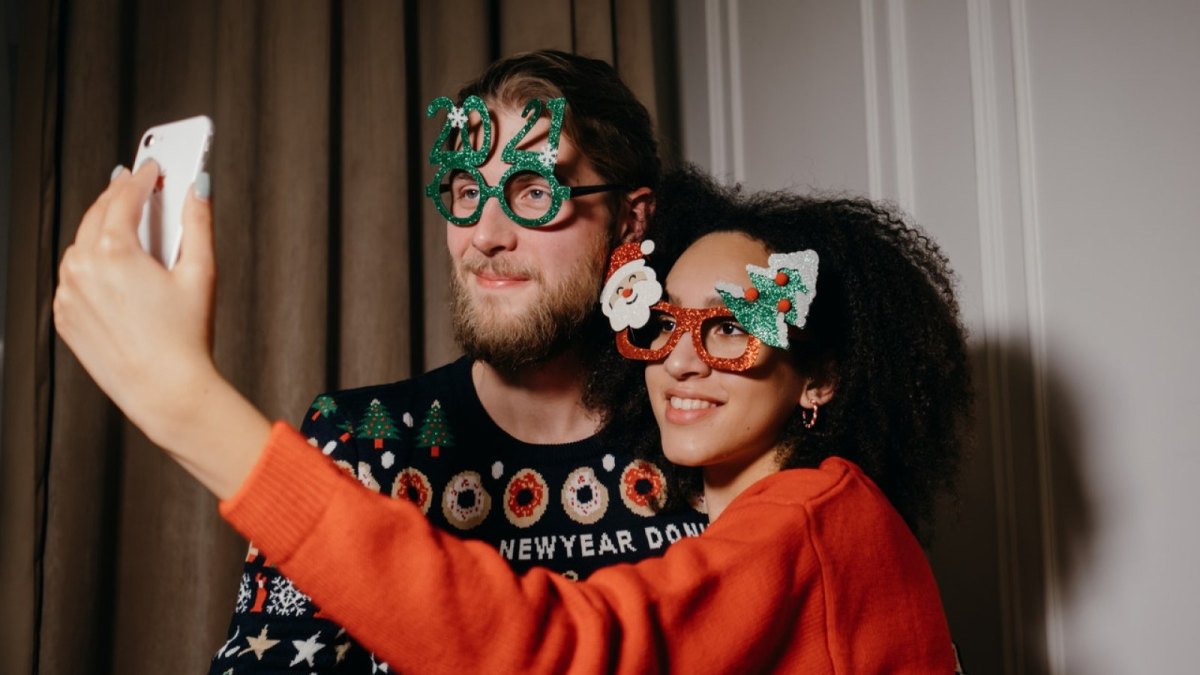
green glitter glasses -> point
(529, 192)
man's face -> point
(520, 293)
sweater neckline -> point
(487, 431)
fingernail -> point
(116, 172)
(203, 185)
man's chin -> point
(499, 318)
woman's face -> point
(729, 423)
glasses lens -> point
(724, 337)
(528, 194)
(655, 333)
(460, 194)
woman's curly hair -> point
(884, 327)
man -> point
(500, 445)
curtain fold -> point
(28, 342)
(332, 269)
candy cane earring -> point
(810, 420)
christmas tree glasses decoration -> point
(780, 295)
(529, 192)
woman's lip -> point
(677, 416)
(688, 416)
(696, 396)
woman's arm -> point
(428, 602)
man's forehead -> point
(506, 121)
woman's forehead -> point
(716, 257)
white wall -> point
(1052, 149)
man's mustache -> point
(500, 267)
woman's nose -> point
(684, 362)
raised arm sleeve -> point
(427, 602)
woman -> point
(774, 383)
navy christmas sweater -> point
(572, 508)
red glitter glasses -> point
(719, 339)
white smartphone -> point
(181, 149)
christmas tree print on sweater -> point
(377, 425)
(325, 406)
(434, 432)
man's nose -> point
(495, 232)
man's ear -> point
(639, 208)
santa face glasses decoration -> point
(727, 338)
(529, 192)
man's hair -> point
(603, 119)
(884, 328)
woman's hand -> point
(144, 333)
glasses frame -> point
(558, 194)
(467, 158)
(690, 320)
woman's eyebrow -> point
(712, 301)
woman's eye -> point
(666, 325)
(730, 329)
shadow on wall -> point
(990, 551)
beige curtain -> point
(332, 271)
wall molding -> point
(871, 86)
(718, 135)
(890, 171)
(901, 111)
(736, 116)
(996, 316)
(1035, 299)
(723, 55)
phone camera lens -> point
(148, 140)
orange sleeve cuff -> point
(285, 495)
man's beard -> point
(488, 331)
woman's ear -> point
(639, 209)
(817, 392)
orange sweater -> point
(807, 571)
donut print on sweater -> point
(584, 497)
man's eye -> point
(468, 192)
(535, 193)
